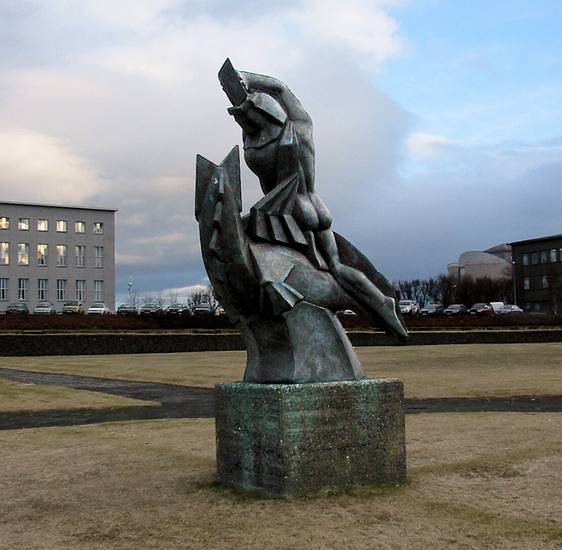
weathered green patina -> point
(297, 439)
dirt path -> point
(191, 402)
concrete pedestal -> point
(296, 439)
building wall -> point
(33, 272)
(538, 274)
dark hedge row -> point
(169, 322)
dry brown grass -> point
(15, 396)
(427, 371)
(482, 480)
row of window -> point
(541, 282)
(43, 225)
(42, 255)
(543, 257)
(43, 290)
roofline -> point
(538, 239)
(17, 203)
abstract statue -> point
(280, 272)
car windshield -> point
(479, 305)
(149, 305)
(404, 302)
(98, 304)
(43, 304)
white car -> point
(508, 309)
(409, 307)
(98, 308)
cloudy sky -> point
(438, 123)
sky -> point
(437, 124)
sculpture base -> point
(295, 439)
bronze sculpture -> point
(281, 272)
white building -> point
(56, 253)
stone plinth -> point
(296, 439)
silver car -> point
(44, 308)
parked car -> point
(456, 309)
(509, 309)
(204, 308)
(481, 309)
(127, 309)
(150, 309)
(431, 309)
(496, 306)
(17, 308)
(44, 308)
(348, 312)
(98, 308)
(409, 307)
(178, 309)
(73, 306)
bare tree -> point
(148, 299)
(172, 297)
(133, 297)
(212, 298)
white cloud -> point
(425, 145)
(38, 167)
(361, 26)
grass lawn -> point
(427, 371)
(479, 480)
(15, 396)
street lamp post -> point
(513, 279)
(130, 285)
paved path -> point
(190, 402)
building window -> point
(535, 258)
(61, 226)
(98, 291)
(42, 252)
(4, 222)
(80, 290)
(3, 289)
(42, 289)
(61, 290)
(61, 255)
(23, 254)
(23, 285)
(553, 254)
(23, 224)
(526, 283)
(544, 256)
(98, 257)
(525, 259)
(544, 281)
(42, 225)
(98, 228)
(80, 255)
(80, 227)
(4, 253)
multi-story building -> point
(56, 254)
(538, 274)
